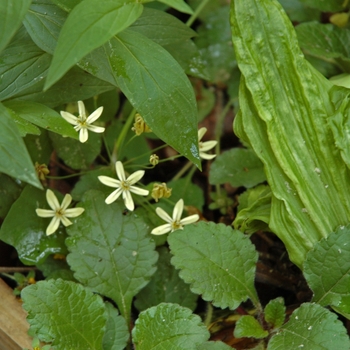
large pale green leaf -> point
(311, 327)
(43, 22)
(155, 85)
(66, 314)
(101, 20)
(14, 158)
(110, 252)
(11, 15)
(28, 235)
(168, 326)
(42, 116)
(217, 261)
(285, 107)
(327, 270)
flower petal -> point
(201, 133)
(73, 212)
(45, 213)
(128, 201)
(52, 200)
(160, 230)
(66, 222)
(109, 181)
(53, 226)
(164, 215)
(206, 155)
(82, 112)
(136, 176)
(94, 128)
(120, 171)
(70, 118)
(207, 145)
(95, 115)
(189, 219)
(83, 135)
(178, 209)
(66, 201)
(113, 196)
(139, 191)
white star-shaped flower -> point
(124, 186)
(58, 213)
(83, 123)
(205, 146)
(174, 223)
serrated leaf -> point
(326, 6)
(155, 85)
(327, 269)
(249, 327)
(110, 252)
(11, 15)
(43, 22)
(304, 168)
(179, 5)
(75, 154)
(239, 167)
(217, 261)
(275, 312)
(14, 158)
(77, 38)
(66, 314)
(168, 326)
(117, 333)
(42, 116)
(165, 286)
(28, 234)
(311, 327)
(214, 345)
(23, 65)
(254, 210)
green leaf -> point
(168, 326)
(214, 345)
(67, 5)
(39, 147)
(75, 154)
(285, 110)
(254, 210)
(239, 167)
(110, 252)
(23, 126)
(325, 40)
(249, 327)
(165, 286)
(23, 65)
(155, 85)
(14, 158)
(42, 116)
(11, 16)
(28, 234)
(275, 312)
(117, 333)
(43, 22)
(326, 6)
(54, 268)
(102, 20)
(217, 261)
(298, 12)
(179, 5)
(66, 314)
(327, 269)
(311, 327)
(9, 192)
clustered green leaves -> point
(132, 56)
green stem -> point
(122, 136)
(186, 167)
(197, 11)
(65, 176)
(208, 315)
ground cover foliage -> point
(177, 173)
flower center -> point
(125, 185)
(59, 212)
(176, 225)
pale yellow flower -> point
(124, 186)
(82, 123)
(140, 126)
(174, 223)
(161, 191)
(206, 145)
(154, 159)
(58, 213)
